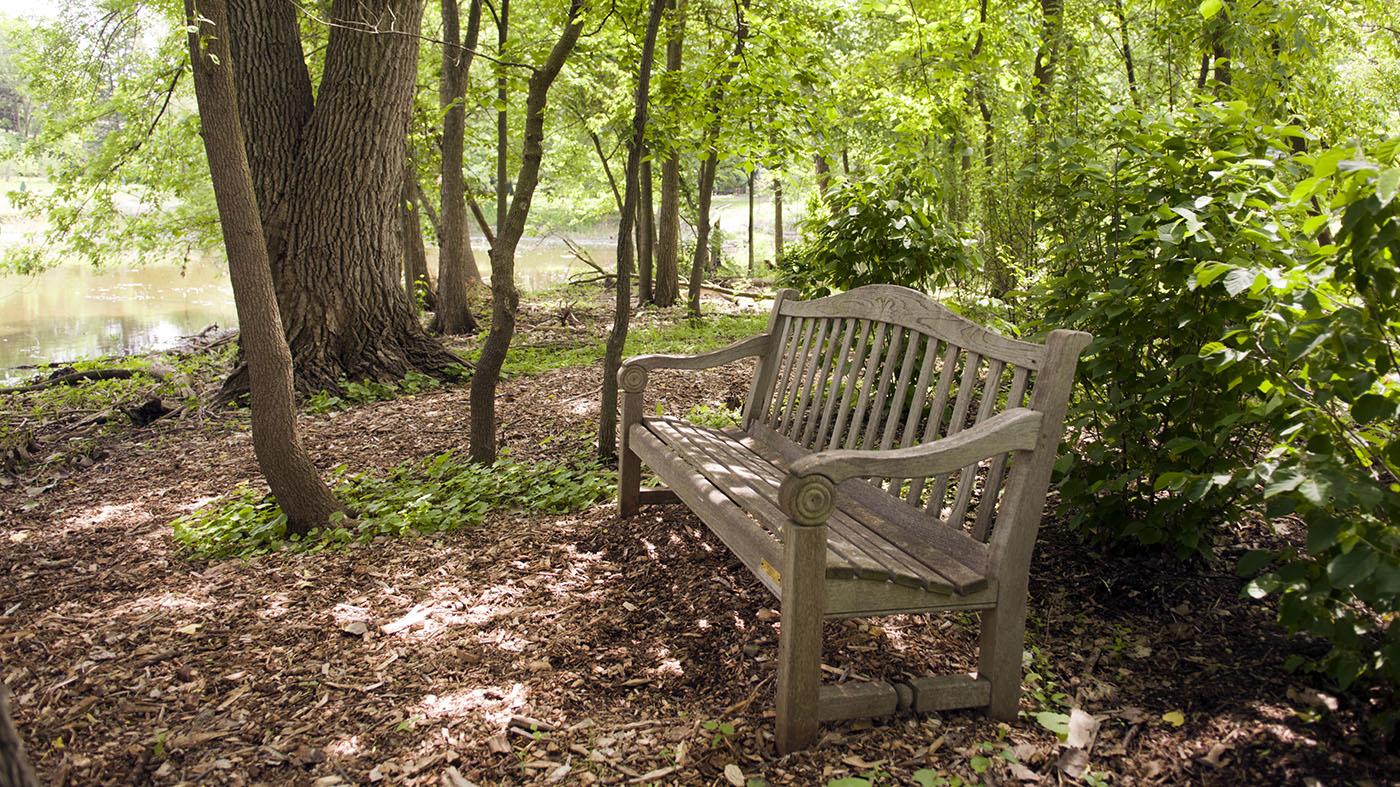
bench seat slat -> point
(961, 560)
(860, 546)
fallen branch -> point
(77, 377)
(14, 766)
(736, 293)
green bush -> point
(439, 493)
(883, 229)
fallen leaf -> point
(192, 628)
(1216, 757)
(1174, 718)
(734, 775)
(1083, 729)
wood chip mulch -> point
(579, 649)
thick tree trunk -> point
(415, 256)
(290, 473)
(505, 299)
(668, 236)
(456, 264)
(646, 231)
(617, 337)
(332, 222)
(1047, 55)
(777, 221)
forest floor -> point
(640, 652)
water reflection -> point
(73, 311)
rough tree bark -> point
(710, 165)
(328, 176)
(14, 765)
(617, 337)
(646, 230)
(668, 236)
(456, 264)
(777, 221)
(415, 256)
(290, 473)
(505, 299)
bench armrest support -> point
(806, 493)
(634, 369)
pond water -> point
(72, 311)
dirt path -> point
(641, 651)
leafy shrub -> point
(883, 229)
(437, 494)
(1128, 230)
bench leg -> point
(800, 640)
(1003, 640)
(629, 465)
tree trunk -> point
(646, 231)
(822, 168)
(668, 237)
(1127, 53)
(1047, 54)
(14, 765)
(290, 473)
(456, 263)
(750, 190)
(777, 221)
(710, 165)
(415, 256)
(617, 337)
(505, 299)
(331, 176)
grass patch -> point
(686, 337)
(366, 391)
(433, 495)
(713, 416)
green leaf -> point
(1239, 280)
(1372, 407)
(1387, 184)
(980, 763)
(1210, 8)
(925, 777)
(1057, 723)
(1252, 561)
(1352, 568)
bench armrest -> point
(806, 492)
(632, 374)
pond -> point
(72, 311)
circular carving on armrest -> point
(633, 379)
(808, 500)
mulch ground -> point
(579, 649)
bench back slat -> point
(883, 366)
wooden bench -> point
(893, 457)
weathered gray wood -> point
(946, 373)
(767, 364)
(792, 424)
(991, 390)
(1013, 430)
(1013, 536)
(658, 496)
(877, 403)
(857, 701)
(755, 547)
(828, 542)
(967, 383)
(918, 312)
(949, 692)
(800, 638)
(840, 379)
(987, 508)
(867, 380)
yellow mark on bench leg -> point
(771, 572)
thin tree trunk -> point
(607, 170)
(822, 168)
(426, 205)
(777, 221)
(294, 480)
(415, 254)
(750, 190)
(1127, 53)
(710, 165)
(668, 238)
(505, 299)
(456, 263)
(646, 231)
(1047, 55)
(502, 124)
(617, 337)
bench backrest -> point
(884, 367)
